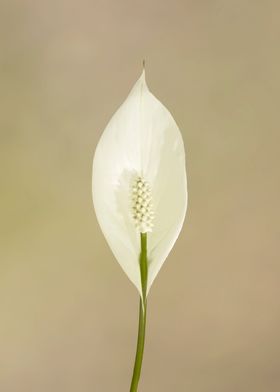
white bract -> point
(139, 182)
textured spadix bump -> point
(140, 159)
(142, 208)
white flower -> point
(139, 182)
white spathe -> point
(141, 139)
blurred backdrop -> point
(68, 314)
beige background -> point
(68, 314)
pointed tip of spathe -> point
(143, 74)
(144, 63)
(141, 81)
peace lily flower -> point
(140, 191)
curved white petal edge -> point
(141, 139)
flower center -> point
(142, 208)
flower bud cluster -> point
(142, 208)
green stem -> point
(142, 315)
